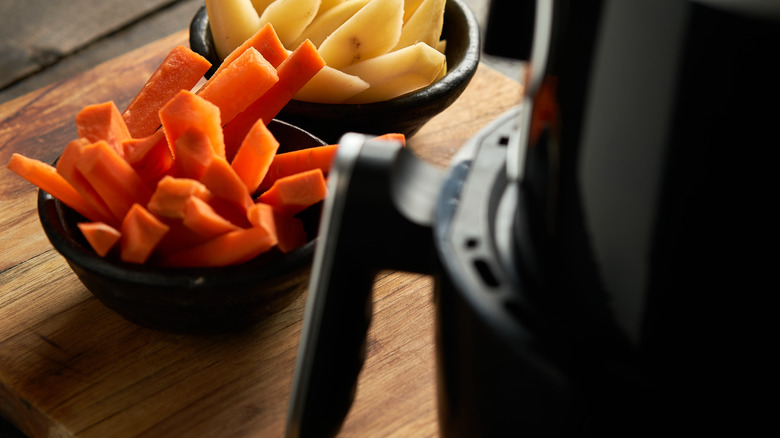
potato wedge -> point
(231, 23)
(371, 32)
(329, 21)
(409, 7)
(260, 5)
(331, 86)
(424, 26)
(397, 73)
(289, 18)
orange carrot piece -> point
(187, 110)
(141, 233)
(255, 155)
(203, 220)
(288, 229)
(294, 72)
(181, 69)
(102, 121)
(193, 152)
(226, 249)
(240, 83)
(113, 178)
(265, 41)
(290, 163)
(224, 182)
(66, 166)
(292, 194)
(150, 157)
(396, 136)
(100, 236)
(45, 176)
(171, 195)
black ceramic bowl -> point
(405, 114)
(194, 300)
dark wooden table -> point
(59, 55)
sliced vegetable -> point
(45, 176)
(290, 163)
(66, 166)
(187, 110)
(141, 233)
(227, 249)
(113, 178)
(224, 182)
(231, 23)
(100, 236)
(170, 197)
(102, 121)
(150, 156)
(180, 70)
(289, 230)
(289, 17)
(293, 73)
(255, 155)
(194, 152)
(204, 220)
(240, 83)
(265, 41)
(292, 194)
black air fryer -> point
(601, 254)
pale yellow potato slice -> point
(371, 32)
(232, 22)
(409, 7)
(331, 86)
(260, 5)
(329, 21)
(325, 5)
(424, 26)
(289, 18)
(397, 73)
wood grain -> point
(71, 367)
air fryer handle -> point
(371, 217)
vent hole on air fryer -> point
(472, 242)
(504, 140)
(483, 268)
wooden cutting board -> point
(71, 367)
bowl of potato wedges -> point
(385, 65)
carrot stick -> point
(290, 163)
(395, 136)
(223, 182)
(265, 41)
(113, 178)
(170, 197)
(102, 121)
(150, 157)
(294, 72)
(181, 69)
(193, 152)
(45, 176)
(203, 220)
(289, 230)
(240, 83)
(292, 194)
(187, 110)
(255, 155)
(100, 236)
(226, 249)
(66, 166)
(141, 232)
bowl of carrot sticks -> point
(321, 107)
(223, 283)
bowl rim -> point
(463, 69)
(56, 219)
